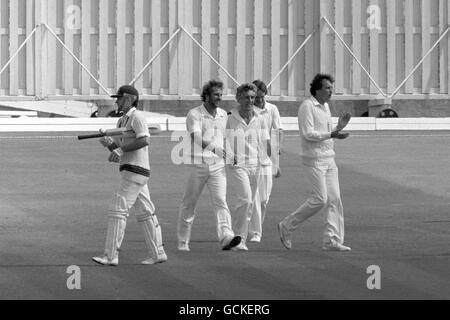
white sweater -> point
(315, 126)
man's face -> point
(124, 103)
(326, 92)
(215, 97)
(260, 99)
(247, 100)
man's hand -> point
(343, 121)
(115, 155)
(220, 152)
(106, 141)
(277, 174)
(109, 143)
(337, 135)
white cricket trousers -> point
(132, 194)
(216, 181)
(245, 184)
(325, 195)
(261, 201)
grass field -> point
(54, 192)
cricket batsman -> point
(131, 152)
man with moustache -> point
(206, 166)
(317, 152)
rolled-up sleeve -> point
(193, 123)
(307, 126)
(140, 127)
(264, 132)
(276, 120)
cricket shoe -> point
(285, 236)
(233, 243)
(255, 238)
(335, 247)
(105, 261)
(183, 246)
(161, 258)
(241, 247)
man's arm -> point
(269, 148)
(136, 144)
(339, 135)
(343, 122)
(141, 140)
(276, 125)
(194, 127)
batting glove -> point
(115, 155)
(109, 143)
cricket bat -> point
(123, 132)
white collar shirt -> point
(315, 126)
(135, 120)
(271, 114)
(211, 128)
(247, 141)
(272, 117)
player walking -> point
(206, 127)
(269, 166)
(317, 151)
(249, 139)
(132, 154)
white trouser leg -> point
(261, 201)
(145, 215)
(217, 185)
(266, 191)
(255, 223)
(197, 178)
(245, 184)
(333, 211)
(316, 201)
(118, 213)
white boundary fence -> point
(20, 125)
(82, 48)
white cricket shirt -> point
(248, 141)
(199, 120)
(271, 115)
(135, 161)
(315, 126)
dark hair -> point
(207, 88)
(316, 84)
(261, 86)
(244, 88)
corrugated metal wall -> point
(250, 38)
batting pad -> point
(152, 234)
(114, 236)
(118, 207)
